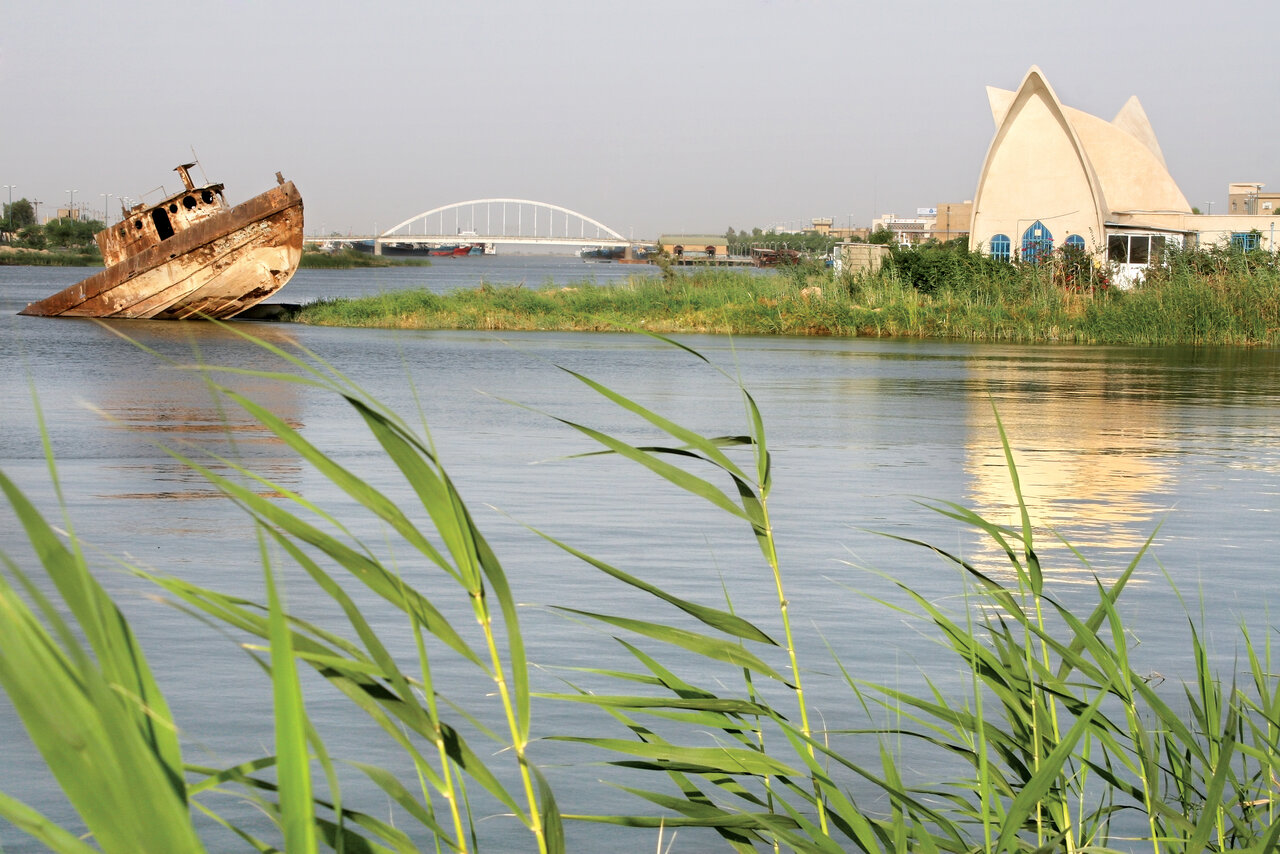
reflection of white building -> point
(1055, 176)
(1084, 464)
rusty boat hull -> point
(216, 268)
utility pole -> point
(8, 220)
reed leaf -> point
(357, 488)
(296, 808)
(91, 732)
(723, 621)
(370, 571)
(105, 629)
(709, 449)
(722, 760)
(41, 828)
(704, 645)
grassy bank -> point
(348, 259)
(49, 258)
(1050, 740)
(1196, 298)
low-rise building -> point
(694, 245)
(951, 220)
(1248, 198)
(906, 231)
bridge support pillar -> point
(377, 246)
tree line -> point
(21, 230)
(808, 242)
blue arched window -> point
(1075, 241)
(1037, 243)
(1001, 247)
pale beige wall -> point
(862, 257)
(1212, 230)
(1218, 229)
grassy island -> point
(1194, 297)
(347, 259)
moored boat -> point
(189, 256)
(601, 253)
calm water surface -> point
(1112, 444)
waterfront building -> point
(1055, 176)
(694, 245)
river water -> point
(1113, 445)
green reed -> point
(1055, 739)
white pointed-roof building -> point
(1055, 176)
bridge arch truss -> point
(494, 220)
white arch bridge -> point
(494, 221)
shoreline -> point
(1186, 310)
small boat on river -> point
(189, 256)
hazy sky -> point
(648, 116)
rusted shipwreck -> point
(189, 256)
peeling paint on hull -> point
(214, 268)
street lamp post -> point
(71, 206)
(106, 214)
(9, 219)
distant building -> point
(860, 233)
(952, 220)
(694, 245)
(906, 231)
(1248, 198)
(1055, 176)
(822, 225)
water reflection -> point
(113, 395)
(1100, 438)
(184, 412)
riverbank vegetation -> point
(1050, 740)
(348, 259)
(65, 242)
(49, 258)
(1210, 296)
